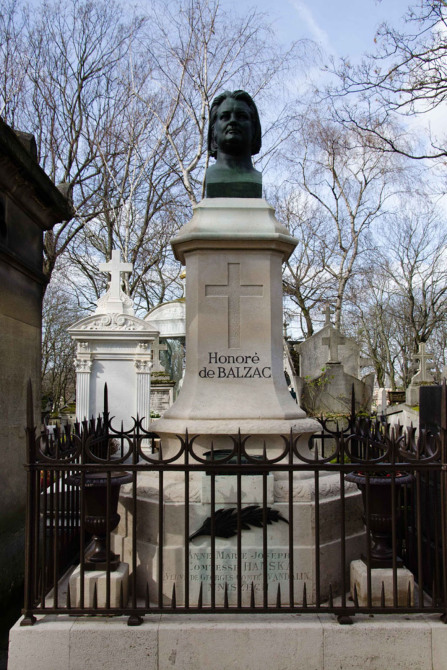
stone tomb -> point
(233, 249)
(30, 205)
(226, 551)
(330, 366)
(113, 347)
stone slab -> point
(224, 642)
(119, 579)
(228, 643)
(44, 646)
(438, 641)
(380, 642)
(110, 643)
(379, 576)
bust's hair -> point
(256, 124)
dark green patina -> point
(234, 136)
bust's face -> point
(233, 127)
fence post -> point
(30, 550)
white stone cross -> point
(327, 316)
(115, 268)
(234, 291)
(156, 348)
(333, 342)
(424, 367)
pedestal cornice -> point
(231, 224)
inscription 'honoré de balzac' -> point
(222, 366)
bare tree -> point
(306, 282)
(350, 186)
(119, 107)
(141, 204)
(416, 248)
(402, 298)
(58, 349)
(369, 318)
(406, 76)
(14, 58)
(70, 83)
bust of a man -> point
(234, 136)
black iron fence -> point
(121, 523)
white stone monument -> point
(113, 347)
(233, 249)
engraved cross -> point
(424, 367)
(333, 342)
(156, 348)
(234, 291)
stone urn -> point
(95, 515)
(380, 513)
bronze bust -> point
(234, 136)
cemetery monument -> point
(114, 347)
(233, 249)
(407, 413)
(330, 366)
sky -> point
(340, 27)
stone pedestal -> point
(233, 249)
(381, 580)
(119, 587)
(229, 641)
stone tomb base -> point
(381, 579)
(304, 521)
(119, 586)
(230, 642)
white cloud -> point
(310, 23)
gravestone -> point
(30, 204)
(113, 347)
(423, 374)
(406, 411)
(328, 345)
(330, 365)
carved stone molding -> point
(103, 303)
(83, 365)
(143, 366)
(112, 322)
